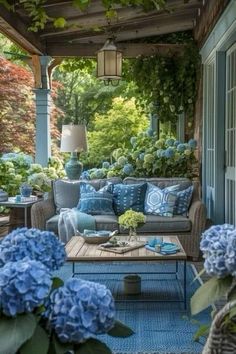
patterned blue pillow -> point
(96, 202)
(183, 201)
(129, 196)
(160, 201)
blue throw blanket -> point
(72, 222)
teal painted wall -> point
(222, 37)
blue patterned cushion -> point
(96, 202)
(183, 201)
(160, 201)
(129, 196)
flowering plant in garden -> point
(149, 157)
(17, 168)
(218, 245)
(41, 314)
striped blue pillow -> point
(96, 202)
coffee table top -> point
(79, 251)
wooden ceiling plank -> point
(130, 50)
(155, 20)
(12, 26)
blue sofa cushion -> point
(96, 202)
(183, 201)
(129, 196)
(160, 201)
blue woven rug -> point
(160, 327)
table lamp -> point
(74, 140)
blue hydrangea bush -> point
(33, 304)
(218, 245)
(149, 156)
(42, 246)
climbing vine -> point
(168, 83)
(39, 16)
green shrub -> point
(17, 168)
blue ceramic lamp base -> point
(73, 167)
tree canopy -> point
(114, 130)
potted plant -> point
(131, 220)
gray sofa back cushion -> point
(66, 193)
(160, 182)
(163, 182)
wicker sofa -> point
(65, 194)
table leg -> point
(25, 216)
(185, 290)
(73, 269)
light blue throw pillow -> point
(160, 201)
(129, 196)
(96, 202)
(183, 201)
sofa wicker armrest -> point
(197, 215)
(41, 212)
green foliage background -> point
(113, 130)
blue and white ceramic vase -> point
(25, 190)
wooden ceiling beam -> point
(12, 27)
(130, 50)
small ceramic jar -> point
(3, 196)
(25, 190)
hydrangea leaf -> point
(61, 348)
(17, 330)
(93, 346)
(37, 344)
(209, 292)
(56, 282)
(203, 331)
(120, 330)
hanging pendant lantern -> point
(109, 63)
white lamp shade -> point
(73, 138)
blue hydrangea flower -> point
(133, 140)
(192, 143)
(170, 142)
(214, 245)
(231, 253)
(160, 153)
(85, 175)
(181, 148)
(169, 152)
(41, 246)
(18, 157)
(177, 142)
(80, 309)
(23, 286)
(128, 169)
(99, 173)
(105, 164)
(141, 156)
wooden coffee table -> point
(79, 251)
